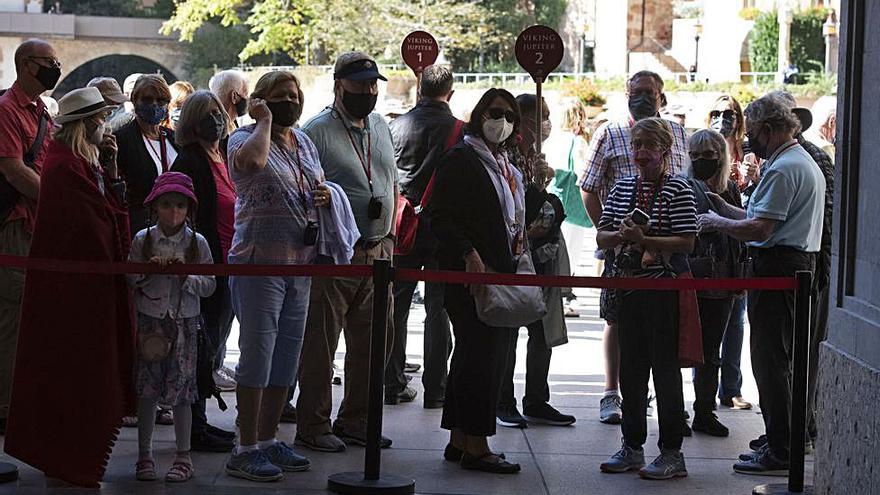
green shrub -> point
(807, 43)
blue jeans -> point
(272, 315)
(731, 352)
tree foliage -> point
(317, 30)
(113, 8)
(807, 43)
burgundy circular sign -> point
(419, 50)
(539, 51)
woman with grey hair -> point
(201, 126)
(715, 255)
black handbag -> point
(9, 195)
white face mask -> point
(546, 127)
(497, 131)
(98, 136)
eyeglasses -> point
(53, 62)
(497, 113)
(638, 144)
(727, 114)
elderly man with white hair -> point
(782, 227)
(231, 88)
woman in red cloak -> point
(75, 326)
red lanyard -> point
(366, 164)
(647, 201)
(302, 181)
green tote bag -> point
(565, 186)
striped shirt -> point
(673, 213)
(610, 157)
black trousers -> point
(648, 332)
(479, 361)
(771, 314)
(437, 338)
(537, 369)
(714, 316)
(217, 315)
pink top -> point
(225, 206)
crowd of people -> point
(161, 174)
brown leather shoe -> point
(736, 403)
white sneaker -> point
(609, 409)
(223, 381)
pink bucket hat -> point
(172, 182)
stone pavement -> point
(555, 460)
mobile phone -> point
(639, 217)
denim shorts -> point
(272, 316)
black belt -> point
(758, 252)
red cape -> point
(75, 360)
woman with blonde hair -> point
(180, 91)
(715, 255)
(646, 229)
(75, 321)
(726, 118)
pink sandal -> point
(145, 470)
(181, 470)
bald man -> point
(24, 137)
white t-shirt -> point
(154, 149)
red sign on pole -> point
(539, 51)
(419, 50)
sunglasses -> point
(727, 114)
(497, 113)
(53, 62)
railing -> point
(515, 78)
(755, 77)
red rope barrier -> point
(120, 268)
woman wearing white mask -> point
(478, 214)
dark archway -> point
(115, 66)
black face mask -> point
(642, 106)
(757, 147)
(211, 127)
(284, 113)
(359, 105)
(705, 168)
(723, 125)
(48, 76)
(241, 107)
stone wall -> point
(848, 446)
(657, 26)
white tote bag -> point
(512, 306)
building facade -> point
(848, 447)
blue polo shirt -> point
(339, 143)
(792, 191)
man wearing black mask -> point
(231, 88)
(24, 136)
(610, 159)
(356, 152)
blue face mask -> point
(151, 113)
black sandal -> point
(453, 453)
(478, 464)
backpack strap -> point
(31, 155)
(454, 137)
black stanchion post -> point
(800, 375)
(371, 480)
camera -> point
(374, 209)
(310, 234)
(630, 256)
